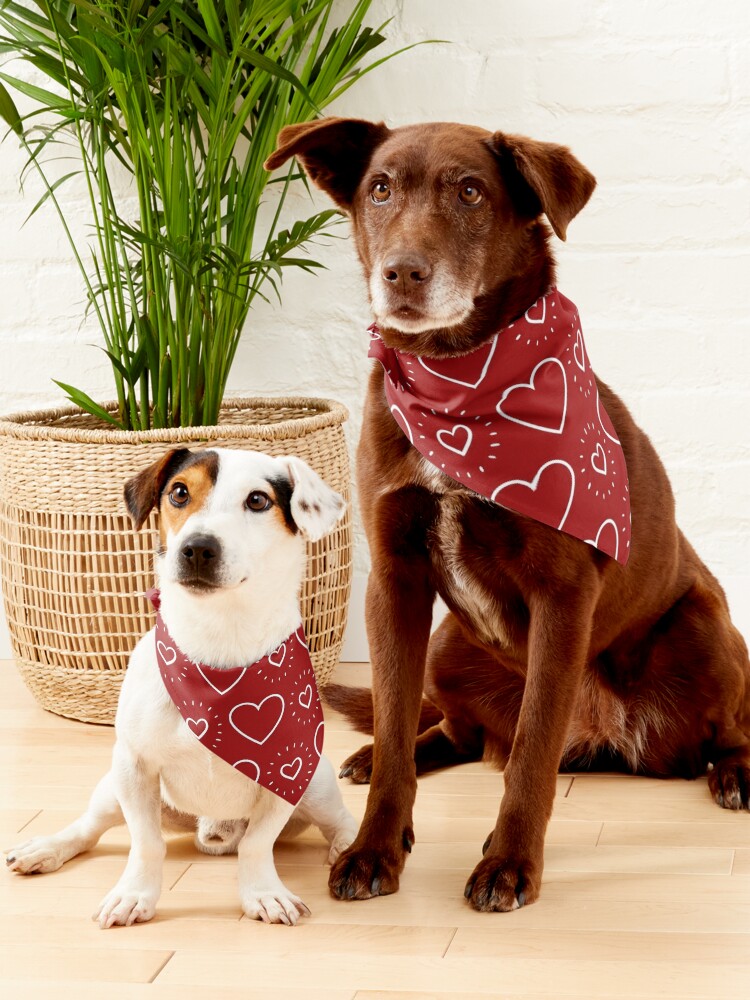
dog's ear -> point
(334, 152)
(314, 506)
(543, 177)
(142, 492)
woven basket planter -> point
(74, 571)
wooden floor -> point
(646, 894)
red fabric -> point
(265, 718)
(519, 421)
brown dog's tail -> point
(355, 704)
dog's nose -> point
(200, 550)
(408, 269)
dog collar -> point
(519, 421)
(265, 718)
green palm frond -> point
(188, 96)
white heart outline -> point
(534, 483)
(161, 647)
(318, 728)
(246, 760)
(595, 454)
(595, 541)
(530, 385)
(195, 723)
(398, 410)
(291, 777)
(579, 343)
(258, 705)
(221, 690)
(458, 451)
(458, 381)
(537, 322)
(601, 422)
(274, 663)
(309, 700)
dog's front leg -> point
(137, 786)
(400, 595)
(262, 893)
(509, 875)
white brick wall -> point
(653, 96)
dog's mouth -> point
(410, 320)
(198, 585)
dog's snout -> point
(200, 551)
(407, 269)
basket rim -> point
(30, 424)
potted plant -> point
(185, 99)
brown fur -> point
(553, 654)
(151, 488)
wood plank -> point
(731, 833)
(622, 797)
(586, 858)
(80, 990)
(630, 979)
(170, 931)
(614, 946)
(741, 862)
(96, 870)
(602, 995)
(58, 965)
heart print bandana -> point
(265, 719)
(519, 421)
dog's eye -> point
(258, 501)
(380, 192)
(179, 495)
(470, 195)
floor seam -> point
(450, 942)
(163, 965)
(181, 875)
(35, 816)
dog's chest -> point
(479, 606)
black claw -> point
(345, 772)
(350, 891)
(375, 887)
(486, 844)
(468, 890)
(10, 859)
(408, 840)
(521, 898)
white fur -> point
(445, 305)
(157, 761)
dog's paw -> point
(275, 905)
(501, 884)
(361, 873)
(344, 838)
(37, 856)
(729, 782)
(358, 767)
(219, 836)
(126, 905)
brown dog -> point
(552, 652)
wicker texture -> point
(73, 569)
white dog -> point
(229, 567)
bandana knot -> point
(520, 422)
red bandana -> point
(520, 422)
(265, 719)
